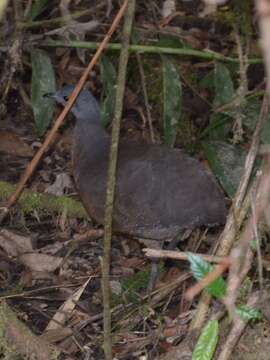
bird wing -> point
(165, 187)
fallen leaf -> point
(58, 188)
(66, 309)
(168, 8)
(15, 244)
(41, 262)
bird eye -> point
(65, 97)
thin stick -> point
(238, 211)
(241, 252)
(236, 331)
(179, 255)
(111, 179)
(31, 167)
(257, 239)
(145, 95)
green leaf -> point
(172, 42)
(251, 116)
(219, 127)
(208, 81)
(206, 345)
(108, 78)
(200, 268)
(227, 162)
(172, 100)
(43, 81)
(132, 286)
(247, 313)
(224, 91)
(38, 6)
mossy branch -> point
(17, 340)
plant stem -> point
(122, 67)
(151, 49)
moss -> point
(133, 285)
(17, 341)
(43, 203)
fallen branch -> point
(236, 331)
(178, 255)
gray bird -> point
(159, 191)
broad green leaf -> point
(219, 127)
(108, 78)
(38, 6)
(227, 163)
(208, 81)
(172, 100)
(200, 268)
(251, 116)
(224, 91)
(206, 345)
(43, 81)
(247, 313)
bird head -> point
(85, 107)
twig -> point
(251, 156)
(111, 178)
(178, 255)
(237, 213)
(240, 254)
(236, 331)
(257, 239)
(49, 138)
(13, 61)
(242, 89)
(263, 11)
(147, 106)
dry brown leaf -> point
(14, 244)
(54, 336)
(58, 188)
(168, 8)
(211, 7)
(66, 309)
(41, 262)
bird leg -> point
(181, 236)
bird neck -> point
(90, 140)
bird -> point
(160, 191)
